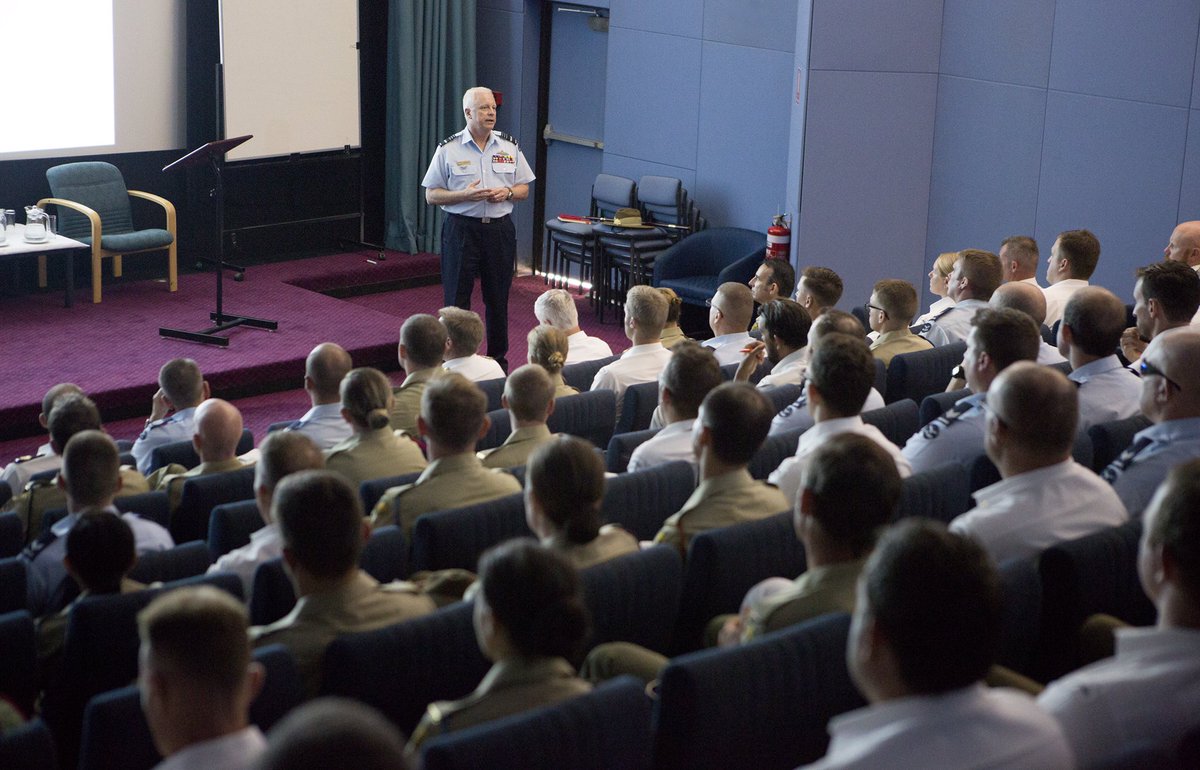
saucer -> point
(43, 239)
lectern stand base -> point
(224, 322)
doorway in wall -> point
(571, 112)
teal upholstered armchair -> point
(93, 207)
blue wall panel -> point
(672, 17)
(754, 23)
(1125, 50)
(876, 35)
(998, 40)
(515, 6)
(986, 161)
(1196, 78)
(496, 64)
(741, 168)
(652, 98)
(867, 158)
(1113, 167)
(1189, 194)
(636, 168)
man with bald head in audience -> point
(1166, 298)
(1171, 400)
(324, 369)
(1019, 259)
(1030, 300)
(181, 388)
(90, 479)
(1184, 244)
(281, 454)
(975, 275)
(218, 428)
(1044, 497)
(529, 398)
(1088, 336)
(1141, 696)
(422, 345)
(729, 313)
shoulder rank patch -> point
(506, 137)
(450, 138)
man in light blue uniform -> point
(181, 388)
(324, 369)
(999, 337)
(1171, 399)
(1090, 331)
(975, 276)
(475, 176)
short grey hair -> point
(469, 96)
(556, 308)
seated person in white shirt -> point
(1044, 497)
(1019, 259)
(785, 327)
(925, 630)
(324, 369)
(1088, 336)
(181, 388)
(557, 308)
(818, 290)
(464, 335)
(197, 679)
(1030, 300)
(840, 377)
(280, 454)
(1073, 259)
(999, 337)
(1146, 694)
(774, 279)
(1166, 297)
(796, 416)
(645, 316)
(17, 473)
(975, 276)
(682, 385)
(729, 313)
(939, 286)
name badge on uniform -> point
(503, 163)
(462, 168)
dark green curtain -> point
(431, 62)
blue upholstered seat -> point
(13, 594)
(231, 525)
(637, 407)
(917, 375)
(1109, 439)
(12, 534)
(935, 405)
(606, 729)
(698, 264)
(635, 598)
(641, 501)
(940, 493)
(457, 537)
(184, 452)
(580, 375)
(182, 561)
(371, 490)
(18, 659)
(621, 446)
(897, 421)
(203, 493)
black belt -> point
(480, 220)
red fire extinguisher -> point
(779, 237)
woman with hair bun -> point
(672, 335)
(374, 450)
(548, 348)
(564, 486)
(530, 620)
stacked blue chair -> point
(764, 704)
(459, 536)
(917, 375)
(203, 493)
(575, 243)
(634, 598)
(723, 564)
(607, 729)
(640, 502)
(184, 453)
(401, 669)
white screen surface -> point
(88, 77)
(291, 75)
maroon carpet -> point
(113, 349)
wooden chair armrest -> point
(167, 206)
(90, 213)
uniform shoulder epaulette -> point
(450, 138)
(27, 458)
(506, 137)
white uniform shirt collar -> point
(1015, 486)
(322, 410)
(1101, 365)
(790, 360)
(641, 350)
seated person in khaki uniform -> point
(100, 552)
(375, 450)
(218, 428)
(320, 517)
(548, 348)
(733, 421)
(453, 418)
(564, 486)
(17, 473)
(281, 454)
(70, 414)
(529, 399)
(529, 620)
(891, 308)
(849, 491)
(672, 333)
(422, 344)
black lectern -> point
(213, 154)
